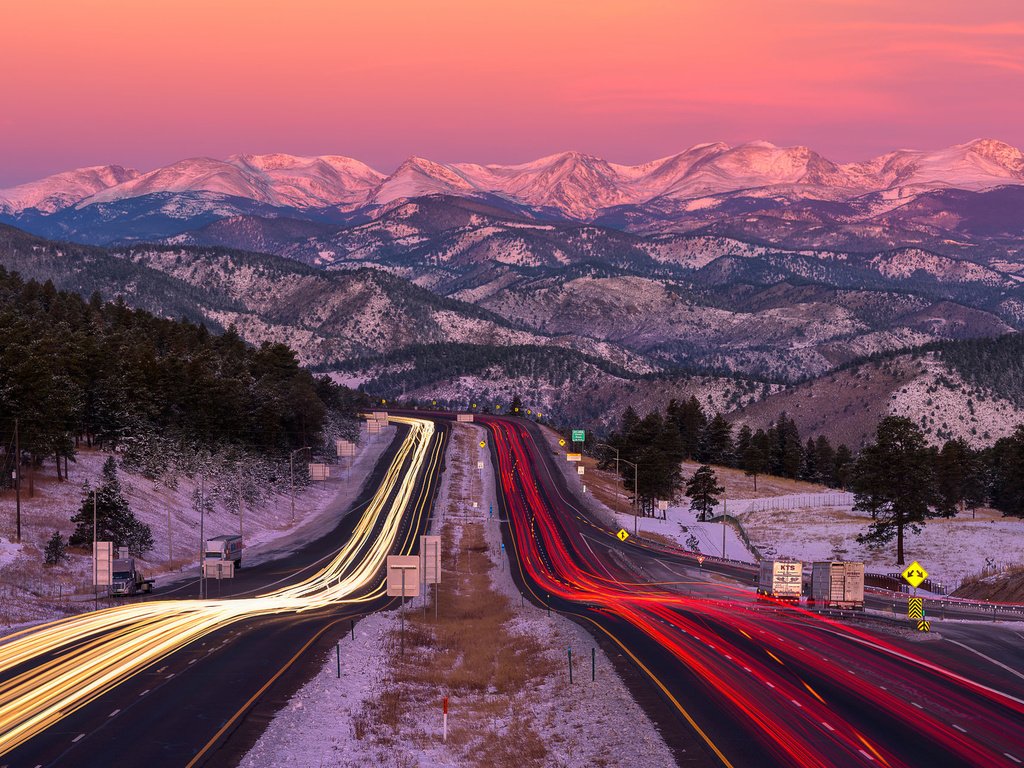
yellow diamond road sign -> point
(915, 574)
(623, 534)
(562, 441)
(483, 444)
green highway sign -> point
(579, 435)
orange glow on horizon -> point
(142, 84)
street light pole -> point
(636, 494)
(17, 477)
(291, 465)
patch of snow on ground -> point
(582, 725)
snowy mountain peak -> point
(63, 189)
(576, 183)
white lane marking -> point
(827, 725)
(747, 669)
(797, 703)
(883, 688)
(193, 661)
(999, 664)
(114, 713)
(917, 705)
(1012, 757)
(869, 757)
(768, 684)
(161, 669)
(78, 737)
(962, 730)
(923, 664)
(144, 692)
(169, 676)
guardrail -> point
(894, 582)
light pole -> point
(612, 447)
(636, 494)
(291, 465)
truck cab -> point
(222, 548)
(127, 579)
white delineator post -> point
(445, 719)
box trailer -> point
(780, 579)
(837, 584)
(225, 548)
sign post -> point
(914, 575)
(445, 705)
(399, 584)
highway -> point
(175, 682)
(754, 683)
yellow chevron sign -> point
(924, 626)
(915, 574)
(915, 608)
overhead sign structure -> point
(403, 576)
(103, 559)
(579, 435)
(623, 534)
(430, 559)
(915, 574)
(574, 457)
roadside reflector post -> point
(593, 664)
(352, 628)
(570, 666)
(445, 705)
(338, 649)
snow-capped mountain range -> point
(570, 184)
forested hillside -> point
(73, 369)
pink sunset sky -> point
(87, 82)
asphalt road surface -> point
(752, 682)
(204, 702)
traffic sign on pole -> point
(579, 435)
(915, 608)
(623, 534)
(915, 574)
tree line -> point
(74, 370)
(899, 479)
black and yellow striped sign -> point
(915, 608)
(924, 626)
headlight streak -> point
(82, 657)
(699, 633)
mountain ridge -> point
(576, 184)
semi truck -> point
(837, 584)
(225, 548)
(780, 579)
(127, 579)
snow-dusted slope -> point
(63, 189)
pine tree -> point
(716, 442)
(115, 521)
(842, 467)
(703, 490)
(755, 458)
(894, 481)
(1005, 467)
(56, 550)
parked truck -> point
(837, 584)
(225, 548)
(780, 579)
(127, 579)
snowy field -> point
(31, 591)
(337, 722)
(820, 524)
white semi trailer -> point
(780, 579)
